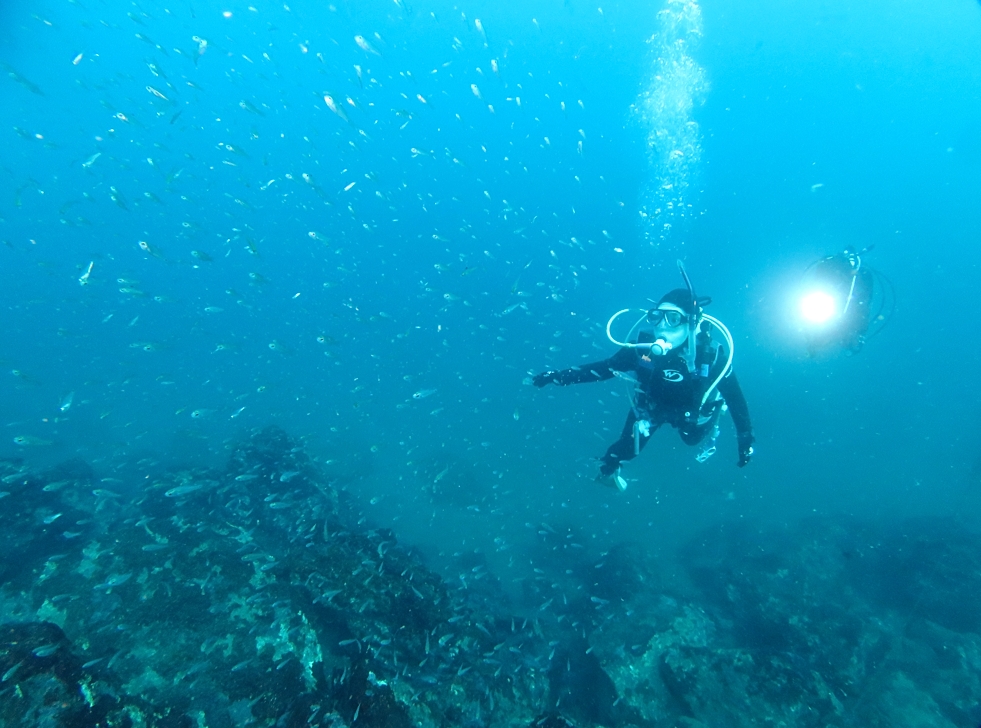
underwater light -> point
(818, 307)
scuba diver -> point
(678, 376)
(837, 306)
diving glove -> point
(745, 440)
(549, 377)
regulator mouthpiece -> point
(660, 347)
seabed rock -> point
(245, 596)
(801, 627)
(239, 597)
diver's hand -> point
(745, 453)
(549, 377)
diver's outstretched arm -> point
(596, 371)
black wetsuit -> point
(667, 394)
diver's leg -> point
(632, 440)
(706, 447)
(704, 434)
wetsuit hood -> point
(680, 297)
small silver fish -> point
(115, 580)
(332, 105)
(10, 673)
(84, 279)
(364, 45)
(182, 490)
(28, 441)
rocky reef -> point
(830, 622)
(237, 597)
(244, 596)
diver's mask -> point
(668, 317)
(670, 328)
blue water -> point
(477, 246)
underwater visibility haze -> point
(277, 280)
